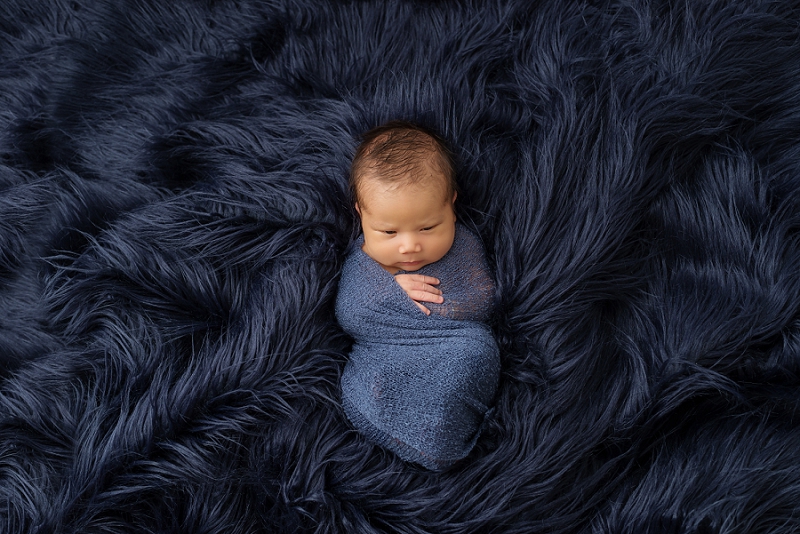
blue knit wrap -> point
(420, 385)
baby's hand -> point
(420, 288)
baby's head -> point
(403, 183)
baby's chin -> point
(411, 266)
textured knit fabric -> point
(420, 385)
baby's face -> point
(407, 226)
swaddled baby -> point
(416, 295)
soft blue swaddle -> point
(420, 385)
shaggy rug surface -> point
(174, 215)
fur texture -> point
(174, 216)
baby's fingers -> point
(423, 279)
(417, 278)
(425, 296)
(425, 310)
(417, 283)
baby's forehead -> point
(377, 192)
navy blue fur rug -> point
(173, 218)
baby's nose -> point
(410, 245)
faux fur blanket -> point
(420, 385)
(174, 218)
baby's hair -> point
(399, 152)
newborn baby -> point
(424, 367)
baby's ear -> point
(358, 210)
(455, 194)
